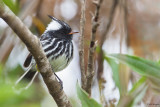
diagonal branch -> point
(33, 45)
(90, 66)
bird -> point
(57, 44)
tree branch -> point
(34, 46)
(81, 43)
(90, 66)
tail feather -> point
(23, 75)
(28, 72)
(30, 83)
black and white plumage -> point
(57, 44)
(58, 51)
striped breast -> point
(58, 51)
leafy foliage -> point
(142, 66)
(86, 101)
(149, 70)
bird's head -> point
(59, 29)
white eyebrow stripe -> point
(54, 25)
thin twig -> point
(90, 66)
(81, 43)
(100, 54)
(103, 38)
(33, 45)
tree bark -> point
(90, 66)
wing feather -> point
(28, 60)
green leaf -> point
(85, 99)
(142, 66)
(137, 84)
(135, 95)
(115, 69)
(138, 91)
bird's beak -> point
(71, 33)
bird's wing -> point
(28, 60)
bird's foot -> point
(60, 81)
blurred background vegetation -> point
(133, 31)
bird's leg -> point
(59, 80)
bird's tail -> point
(26, 74)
